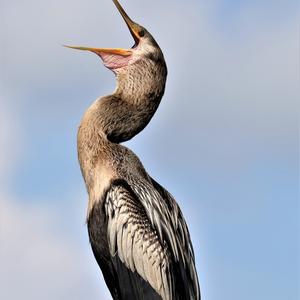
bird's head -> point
(145, 47)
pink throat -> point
(114, 61)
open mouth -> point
(117, 57)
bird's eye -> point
(141, 32)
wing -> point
(135, 245)
(186, 261)
(147, 232)
(167, 219)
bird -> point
(136, 229)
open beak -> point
(133, 28)
(99, 51)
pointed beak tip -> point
(78, 48)
(67, 46)
(131, 24)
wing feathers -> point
(178, 226)
(147, 231)
(133, 239)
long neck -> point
(142, 83)
(119, 117)
(124, 114)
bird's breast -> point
(120, 164)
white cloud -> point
(10, 139)
(40, 257)
(39, 260)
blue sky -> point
(224, 141)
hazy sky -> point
(224, 141)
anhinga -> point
(136, 229)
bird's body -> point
(136, 229)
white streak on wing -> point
(145, 263)
(137, 256)
(153, 274)
(112, 228)
(131, 236)
(158, 276)
(119, 240)
(124, 243)
(129, 247)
